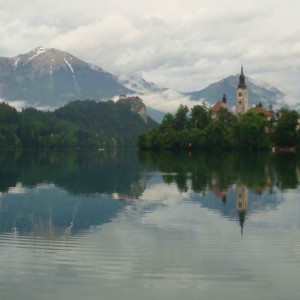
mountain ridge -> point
(50, 78)
(258, 93)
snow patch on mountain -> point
(69, 65)
(16, 62)
(37, 52)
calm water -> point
(118, 225)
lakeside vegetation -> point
(77, 124)
(199, 128)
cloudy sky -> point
(181, 44)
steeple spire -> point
(242, 84)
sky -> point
(181, 44)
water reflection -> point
(54, 193)
(234, 184)
(168, 226)
(257, 171)
(79, 172)
(241, 203)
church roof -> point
(220, 104)
(258, 108)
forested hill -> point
(77, 124)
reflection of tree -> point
(88, 175)
(226, 177)
(199, 168)
(204, 170)
(79, 172)
(286, 167)
(8, 170)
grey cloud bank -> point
(184, 45)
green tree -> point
(8, 114)
(226, 117)
(285, 132)
(216, 135)
(181, 118)
(200, 117)
(250, 131)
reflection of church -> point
(241, 200)
(241, 203)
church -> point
(241, 95)
(242, 102)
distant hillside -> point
(77, 124)
(49, 77)
(155, 114)
(257, 92)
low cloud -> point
(168, 100)
(183, 45)
(17, 104)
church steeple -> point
(241, 95)
(242, 84)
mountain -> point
(49, 77)
(257, 92)
(140, 85)
(155, 114)
(143, 87)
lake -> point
(120, 224)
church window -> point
(240, 94)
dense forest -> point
(78, 124)
(199, 128)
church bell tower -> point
(241, 95)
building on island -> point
(242, 101)
(260, 109)
(241, 95)
(125, 97)
(221, 104)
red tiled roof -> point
(219, 105)
(259, 109)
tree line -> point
(199, 128)
(84, 123)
